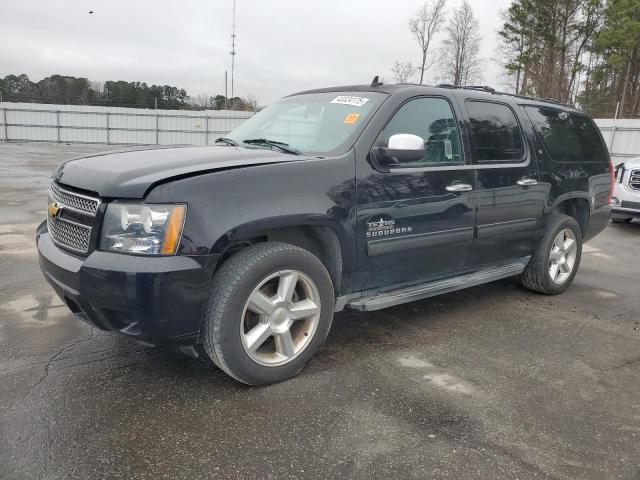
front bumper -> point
(626, 201)
(626, 209)
(155, 300)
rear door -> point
(510, 199)
(416, 221)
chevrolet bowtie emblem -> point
(53, 209)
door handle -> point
(459, 187)
(527, 182)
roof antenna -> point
(376, 81)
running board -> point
(391, 298)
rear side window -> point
(495, 133)
(568, 137)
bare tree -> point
(201, 100)
(424, 26)
(402, 72)
(251, 102)
(461, 47)
(97, 85)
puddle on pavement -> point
(414, 362)
(17, 239)
(604, 294)
(450, 382)
(37, 310)
(442, 380)
(606, 256)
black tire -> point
(231, 287)
(536, 275)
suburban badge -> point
(383, 228)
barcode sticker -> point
(349, 100)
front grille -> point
(74, 201)
(634, 179)
(71, 218)
(71, 235)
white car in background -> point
(626, 193)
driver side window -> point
(432, 120)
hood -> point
(130, 174)
(630, 163)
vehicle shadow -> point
(353, 334)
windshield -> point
(315, 124)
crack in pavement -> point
(102, 356)
(48, 435)
(53, 358)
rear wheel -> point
(555, 262)
(270, 309)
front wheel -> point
(555, 262)
(270, 309)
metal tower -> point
(233, 46)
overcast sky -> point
(282, 45)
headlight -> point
(144, 229)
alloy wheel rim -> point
(280, 318)
(562, 257)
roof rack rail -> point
(493, 91)
(483, 88)
(550, 100)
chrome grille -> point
(634, 179)
(71, 235)
(74, 201)
(70, 218)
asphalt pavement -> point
(494, 382)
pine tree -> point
(546, 43)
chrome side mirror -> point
(406, 141)
(404, 150)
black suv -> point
(357, 197)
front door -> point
(416, 221)
(510, 198)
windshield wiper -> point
(227, 141)
(272, 143)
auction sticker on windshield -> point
(351, 118)
(349, 100)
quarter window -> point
(432, 120)
(569, 137)
(495, 133)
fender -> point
(568, 196)
(257, 227)
(324, 237)
(239, 204)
